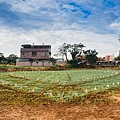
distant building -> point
(34, 55)
(109, 58)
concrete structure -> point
(34, 55)
(35, 52)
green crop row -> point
(61, 85)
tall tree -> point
(62, 50)
(91, 56)
(1, 54)
(1, 57)
(75, 50)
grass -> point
(58, 86)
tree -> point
(1, 54)
(52, 60)
(11, 59)
(75, 50)
(91, 56)
(31, 61)
(117, 58)
(2, 58)
(62, 50)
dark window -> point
(23, 53)
(34, 53)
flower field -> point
(57, 86)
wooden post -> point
(32, 91)
(63, 97)
(51, 95)
(41, 93)
(3, 83)
(75, 95)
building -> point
(109, 58)
(35, 52)
(34, 55)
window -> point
(49, 53)
(44, 54)
(25, 53)
(34, 53)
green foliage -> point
(71, 84)
(117, 58)
(75, 50)
(2, 58)
(76, 53)
(52, 60)
(91, 56)
(63, 49)
(75, 63)
(11, 59)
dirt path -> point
(61, 112)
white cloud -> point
(44, 21)
(29, 6)
(115, 26)
(12, 39)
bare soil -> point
(62, 111)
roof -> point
(33, 46)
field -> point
(59, 88)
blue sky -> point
(94, 23)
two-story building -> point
(34, 55)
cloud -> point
(55, 38)
(94, 23)
(115, 26)
(63, 13)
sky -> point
(94, 23)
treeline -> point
(79, 56)
(11, 59)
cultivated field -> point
(68, 88)
(60, 86)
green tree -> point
(117, 58)
(91, 56)
(11, 59)
(75, 50)
(63, 50)
(31, 61)
(52, 60)
(2, 58)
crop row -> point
(61, 85)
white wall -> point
(46, 63)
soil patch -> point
(61, 112)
